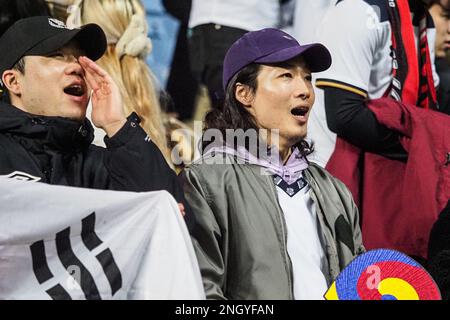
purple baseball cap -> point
(271, 46)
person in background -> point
(439, 252)
(269, 224)
(440, 11)
(380, 49)
(307, 17)
(182, 86)
(13, 10)
(213, 27)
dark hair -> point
(16, 10)
(20, 65)
(233, 115)
(429, 3)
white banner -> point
(71, 243)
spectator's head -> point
(440, 11)
(125, 26)
(267, 83)
(39, 66)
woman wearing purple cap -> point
(269, 224)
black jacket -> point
(443, 69)
(58, 151)
(439, 252)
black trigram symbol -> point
(70, 260)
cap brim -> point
(91, 39)
(316, 56)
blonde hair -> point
(131, 73)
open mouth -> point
(300, 111)
(76, 90)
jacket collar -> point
(271, 161)
(57, 133)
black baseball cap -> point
(41, 35)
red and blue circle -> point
(384, 274)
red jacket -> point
(399, 201)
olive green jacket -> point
(240, 233)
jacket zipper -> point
(284, 233)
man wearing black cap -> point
(47, 72)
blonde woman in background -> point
(128, 44)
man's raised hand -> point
(107, 106)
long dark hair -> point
(233, 115)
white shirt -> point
(358, 36)
(248, 15)
(308, 15)
(304, 243)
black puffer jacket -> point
(58, 151)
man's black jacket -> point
(59, 151)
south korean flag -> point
(67, 243)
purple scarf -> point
(290, 172)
